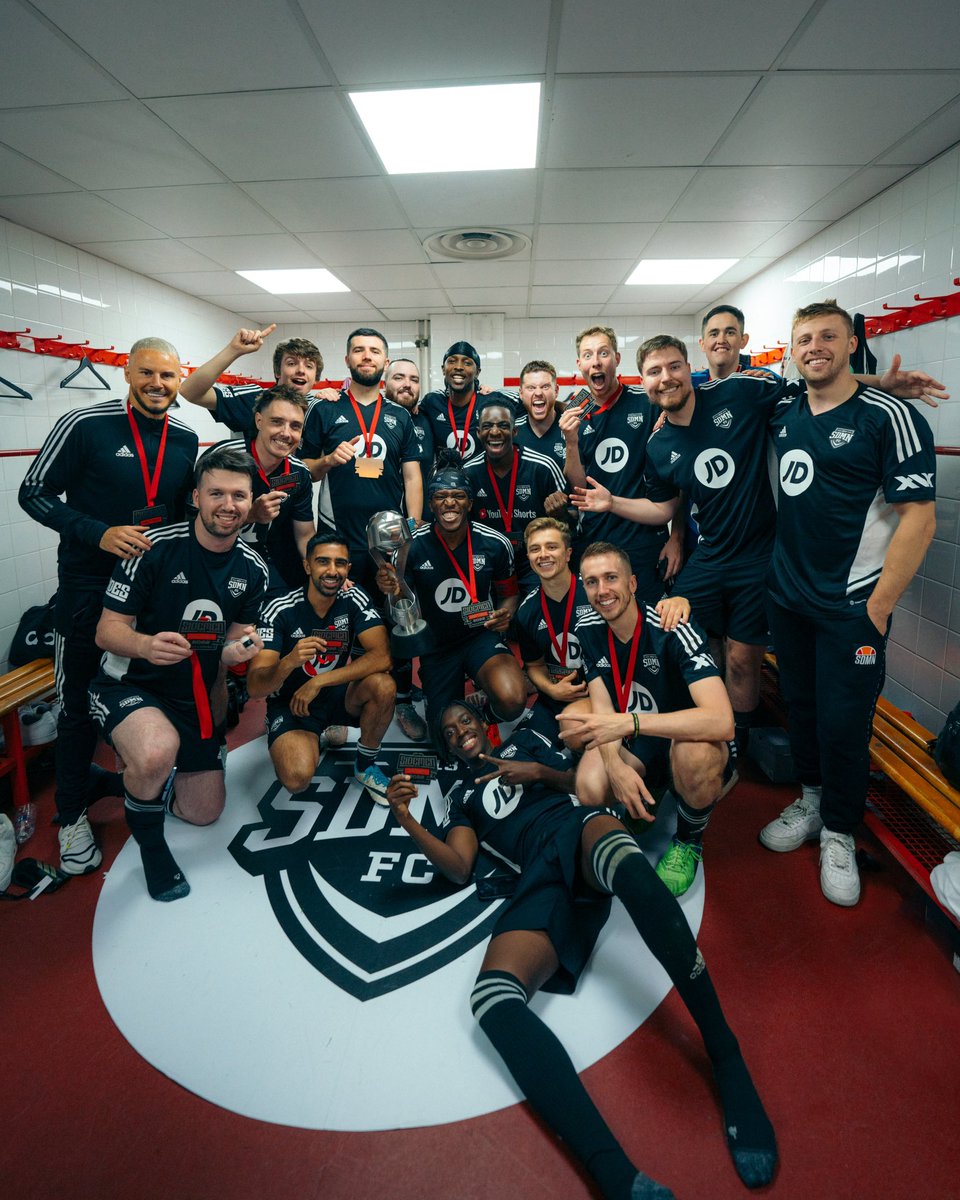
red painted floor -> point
(848, 1019)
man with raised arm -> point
(297, 364)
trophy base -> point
(411, 644)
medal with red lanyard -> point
(477, 611)
(622, 686)
(562, 670)
(592, 409)
(153, 513)
(366, 466)
(461, 442)
(506, 510)
(283, 482)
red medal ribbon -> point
(151, 483)
(260, 471)
(461, 443)
(200, 698)
(367, 434)
(506, 510)
(560, 648)
(607, 404)
(623, 686)
(471, 584)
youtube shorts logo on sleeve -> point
(319, 973)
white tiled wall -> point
(903, 242)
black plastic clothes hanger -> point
(85, 365)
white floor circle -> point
(340, 1017)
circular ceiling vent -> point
(475, 245)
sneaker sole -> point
(69, 868)
(784, 847)
(840, 901)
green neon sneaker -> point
(678, 867)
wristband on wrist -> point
(636, 724)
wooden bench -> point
(19, 687)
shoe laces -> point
(839, 853)
(680, 851)
(795, 812)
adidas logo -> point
(782, 433)
(341, 420)
(674, 456)
(298, 633)
(426, 566)
(603, 663)
(542, 625)
(180, 578)
(124, 452)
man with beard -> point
(538, 428)
(365, 450)
(311, 681)
(516, 803)
(458, 569)
(125, 468)
(607, 440)
(282, 510)
(297, 364)
(401, 384)
(170, 620)
(512, 485)
(453, 413)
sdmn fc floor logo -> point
(318, 975)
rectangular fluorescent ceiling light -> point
(680, 270)
(416, 130)
(295, 282)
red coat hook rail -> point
(909, 316)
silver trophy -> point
(388, 539)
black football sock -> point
(165, 880)
(101, 782)
(365, 757)
(544, 1073)
(691, 822)
(621, 869)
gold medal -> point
(368, 468)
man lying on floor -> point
(570, 860)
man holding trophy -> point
(463, 575)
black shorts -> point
(552, 895)
(328, 709)
(112, 702)
(442, 672)
(727, 599)
(654, 753)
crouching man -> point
(312, 682)
(172, 619)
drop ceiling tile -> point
(709, 239)
(250, 135)
(200, 211)
(927, 140)
(269, 251)
(360, 248)
(561, 310)
(105, 145)
(358, 314)
(433, 40)
(383, 278)
(693, 36)
(852, 192)
(209, 283)
(325, 205)
(499, 199)
(420, 298)
(158, 254)
(790, 236)
(250, 50)
(501, 273)
(700, 108)
(924, 35)
(622, 240)
(587, 295)
(640, 194)
(794, 118)
(416, 313)
(67, 76)
(663, 294)
(75, 217)
(486, 297)
(638, 309)
(610, 271)
(20, 176)
(756, 193)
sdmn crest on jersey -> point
(841, 437)
(723, 419)
(350, 889)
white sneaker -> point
(38, 725)
(839, 877)
(79, 852)
(798, 823)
